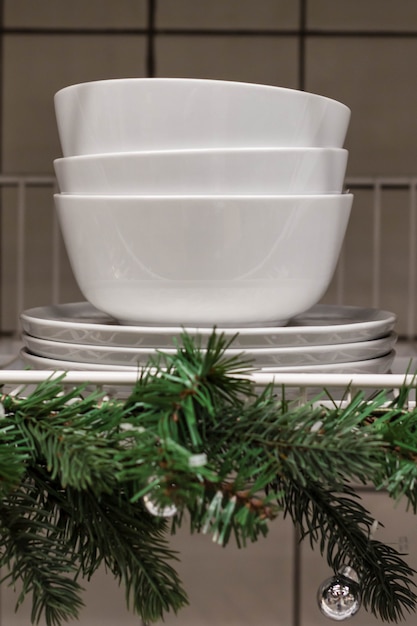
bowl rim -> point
(195, 81)
(192, 197)
(297, 150)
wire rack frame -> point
(377, 185)
(304, 386)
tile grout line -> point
(150, 39)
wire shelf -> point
(376, 185)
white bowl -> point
(266, 171)
(127, 115)
(203, 260)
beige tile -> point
(372, 15)
(400, 531)
(251, 59)
(233, 14)
(373, 77)
(235, 587)
(35, 67)
(75, 14)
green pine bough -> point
(196, 439)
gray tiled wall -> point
(362, 53)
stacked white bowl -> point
(188, 204)
(201, 202)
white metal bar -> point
(20, 250)
(376, 246)
(340, 277)
(385, 181)
(15, 180)
(357, 381)
(56, 259)
(412, 262)
(382, 381)
(39, 180)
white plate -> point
(81, 323)
(261, 357)
(380, 365)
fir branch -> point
(398, 472)
(341, 527)
(72, 467)
(179, 392)
(35, 558)
(109, 529)
(280, 445)
(306, 442)
(195, 433)
(131, 544)
(14, 454)
(70, 433)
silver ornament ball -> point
(339, 597)
(159, 511)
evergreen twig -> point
(75, 467)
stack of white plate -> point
(327, 338)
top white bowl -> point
(124, 115)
